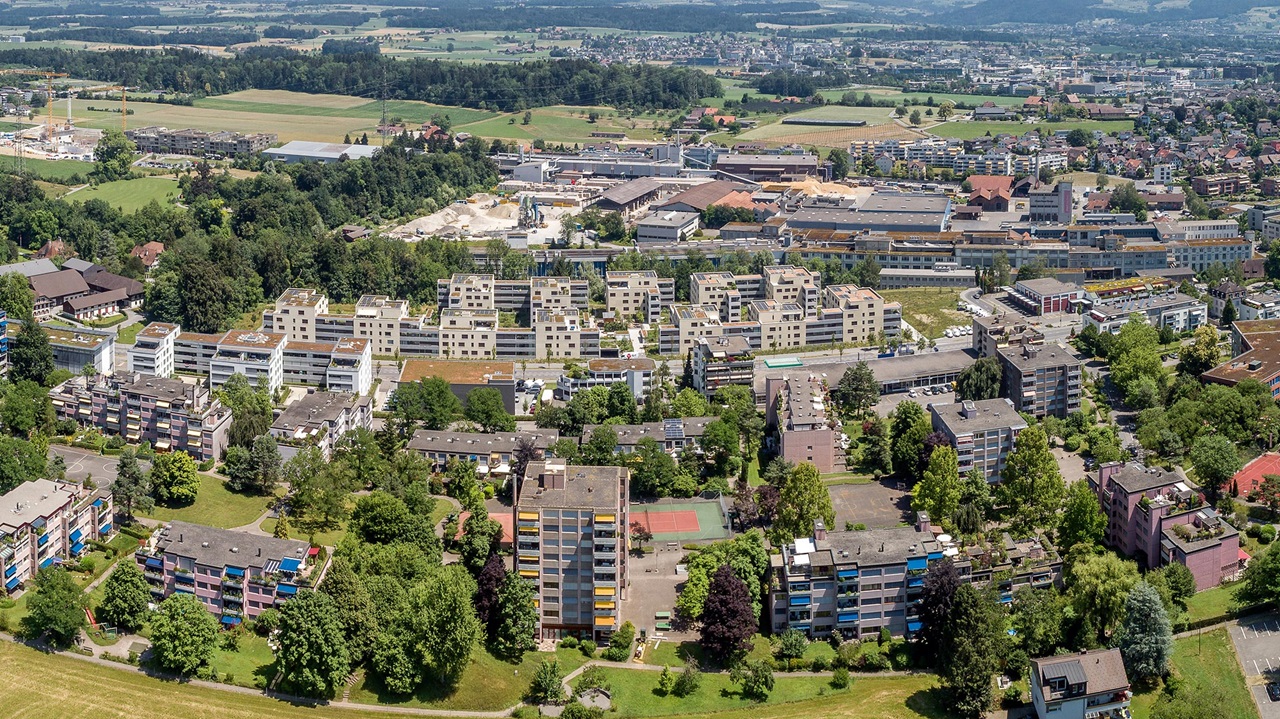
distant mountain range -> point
(1067, 12)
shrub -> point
(1072, 443)
(620, 643)
(569, 643)
(689, 680)
(267, 622)
(1254, 530)
(791, 644)
(1012, 698)
(799, 665)
(1267, 535)
(592, 678)
(819, 664)
(874, 662)
(666, 681)
(86, 565)
(885, 636)
(840, 678)
(848, 654)
(546, 687)
(115, 441)
(588, 648)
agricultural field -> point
(562, 124)
(971, 130)
(130, 195)
(48, 169)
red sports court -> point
(1248, 479)
(681, 521)
(684, 521)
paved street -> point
(1257, 642)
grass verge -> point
(1207, 660)
(215, 506)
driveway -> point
(877, 505)
(1257, 642)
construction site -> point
(53, 138)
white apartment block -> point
(558, 333)
(152, 352)
(259, 356)
(320, 418)
(467, 333)
(782, 324)
(639, 292)
(788, 283)
(297, 310)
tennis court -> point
(1247, 480)
(684, 520)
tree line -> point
(501, 87)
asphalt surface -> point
(1257, 643)
(83, 463)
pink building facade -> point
(1154, 517)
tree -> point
(689, 680)
(55, 609)
(113, 156)
(428, 403)
(30, 355)
(802, 500)
(938, 492)
(858, 390)
(946, 109)
(266, 462)
(20, 461)
(1098, 586)
(621, 403)
(485, 407)
(313, 650)
(1033, 488)
(1037, 620)
(16, 297)
(839, 160)
(354, 606)
(973, 648)
(909, 429)
(620, 641)
(1216, 461)
(1146, 637)
(183, 634)
(517, 619)
(600, 448)
(174, 478)
(915, 117)
(480, 538)
(1202, 354)
(640, 534)
(238, 466)
(980, 380)
(666, 681)
(1181, 583)
(132, 488)
(940, 584)
(547, 686)
(755, 677)
(250, 410)
(721, 447)
(488, 584)
(1001, 271)
(791, 644)
(727, 622)
(689, 403)
(1269, 494)
(1261, 582)
(446, 623)
(1229, 313)
(1126, 198)
(125, 596)
(1083, 521)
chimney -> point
(819, 530)
(923, 523)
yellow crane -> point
(124, 107)
(48, 76)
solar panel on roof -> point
(673, 428)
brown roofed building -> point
(700, 197)
(1257, 347)
(148, 253)
(1075, 686)
(465, 376)
(54, 289)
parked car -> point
(1273, 691)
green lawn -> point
(1203, 661)
(673, 654)
(48, 169)
(1211, 603)
(129, 335)
(635, 693)
(215, 506)
(971, 130)
(559, 124)
(488, 684)
(407, 110)
(252, 656)
(931, 310)
(131, 195)
(84, 690)
(328, 538)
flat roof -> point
(455, 372)
(158, 330)
(1261, 362)
(987, 414)
(875, 547)
(586, 487)
(669, 219)
(620, 365)
(317, 407)
(30, 501)
(253, 339)
(1048, 286)
(88, 339)
(1039, 356)
(300, 297)
(215, 547)
(921, 364)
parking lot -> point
(877, 505)
(84, 463)
(653, 588)
(1257, 642)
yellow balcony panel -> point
(529, 558)
(606, 518)
(529, 573)
(606, 621)
(606, 591)
(528, 516)
(606, 605)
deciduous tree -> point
(55, 609)
(803, 499)
(30, 355)
(125, 596)
(183, 634)
(1033, 488)
(1215, 461)
(727, 622)
(486, 408)
(446, 623)
(174, 478)
(1098, 586)
(1083, 521)
(980, 380)
(858, 390)
(938, 492)
(517, 619)
(313, 649)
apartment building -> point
(1220, 184)
(1088, 685)
(259, 356)
(320, 419)
(1180, 312)
(1154, 517)
(689, 324)
(4, 343)
(557, 293)
(853, 584)
(563, 333)
(169, 413)
(638, 293)
(1256, 349)
(491, 451)
(342, 366)
(782, 324)
(296, 313)
(1199, 255)
(153, 351)
(75, 349)
(45, 523)
(467, 292)
(636, 373)
(991, 334)
(863, 313)
(672, 434)
(982, 432)
(796, 412)
(379, 319)
(721, 290)
(722, 362)
(162, 140)
(236, 575)
(1222, 293)
(788, 283)
(571, 544)
(468, 333)
(1041, 379)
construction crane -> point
(48, 76)
(124, 107)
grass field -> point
(215, 506)
(50, 169)
(129, 335)
(1211, 603)
(488, 684)
(931, 310)
(131, 195)
(634, 693)
(1204, 661)
(89, 691)
(971, 130)
(560, 124)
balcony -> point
(230, 581)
